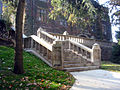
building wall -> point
(37, 16)
(0, 8)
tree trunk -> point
(18, 66)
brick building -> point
(37, 16)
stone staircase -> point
(63, 54)
(76, 62)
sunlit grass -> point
(107, 65)
(38, 75)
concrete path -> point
(96, 80)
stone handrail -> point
(82, 40)
(32, 40)
(42, 48)
(76, 44)
(46, 36)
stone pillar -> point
(38, 32)
(56, 55)
(96, 54)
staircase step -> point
(71, 62)
(73, 65)
(74, 69)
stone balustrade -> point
(81, 50)
(106, 47)
(93, 55)
(46, 36)
(52, 50)
(48, 52)
(43, 48)
(84, 41)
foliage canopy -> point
(116, 5)
(74, 11)
(9, 10)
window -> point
(44, 0)
(63, 22)
(42, 15)
(104, 29)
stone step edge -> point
(71, 61)
(73, 69)
(71, 64)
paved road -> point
(96, 80)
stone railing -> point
(44, 49)
(93, 55)
(51, 49)
(45, 36)
(84, 41)
(49, 52)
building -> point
(0, 9)
(37, 16)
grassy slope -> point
(106, 65)
(37, 73)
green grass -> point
(37, 74)
(107, 65)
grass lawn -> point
(37, 74)
(106, 65)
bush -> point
(116, 54)
(4, 24)
(4, 28)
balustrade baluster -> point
(28, 42)
(37, 46)
(86, 54)
(79, 50)
(40, 48)
(31, 43)
(60, 37)
(63, 37)
(82, 52)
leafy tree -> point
(116, 21)
(116, 50)
(80, 12)
(9, 10)
(18, 66)
(116, 5)
(116, 16)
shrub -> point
(116, 54)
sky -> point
(113, 27)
